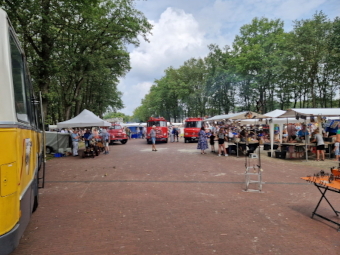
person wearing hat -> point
(153, 137)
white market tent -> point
(85, 119)
(237, 116)
(276, 113)
(325, 112)
(276, 118)
(297, 113)
(217, 117)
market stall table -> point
(324, 184)
(252, 146)
(328, 145)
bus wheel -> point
(186, 140)
(124, 141)
(36, 203)
(166, 140)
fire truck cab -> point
(161, 129)
(192, 127)
(117, 133)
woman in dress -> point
(202, 140)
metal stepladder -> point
(253, 172)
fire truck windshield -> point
(157, 123)
(193, 124)
(115, 127)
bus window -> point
(193, 124)
(153, 123)
(157, 123)
(18, 81)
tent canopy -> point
(217, 117)
(238, 116)
(330, 112)
(85, 119)
(275, 113)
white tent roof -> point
(291, 113)
(274, 121)
(85, 119)
(217, 117)
(238, 116)
(275, 113)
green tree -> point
(77, 50)
(258, 51)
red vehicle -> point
(161, 129)
(192, 127)
(117, 133)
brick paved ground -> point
(177, 201)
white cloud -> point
(176, 37)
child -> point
(212, 141)
(336, 150)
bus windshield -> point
(157, 123)
(193, 124)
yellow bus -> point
(21, 140)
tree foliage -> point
(77, 50)
(265, 69)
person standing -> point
(212, 141)
(153, 137)
(336, 150)
(291, 130)
(221, 146)
(202, 141)
(75, 140)
(176, 132)
(171, 134)
(320, 145)
(87, 137)
(128, 132)
(105, 140)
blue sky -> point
(182, 29)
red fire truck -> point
(161, 129)
(192, 127)
(117, 133)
